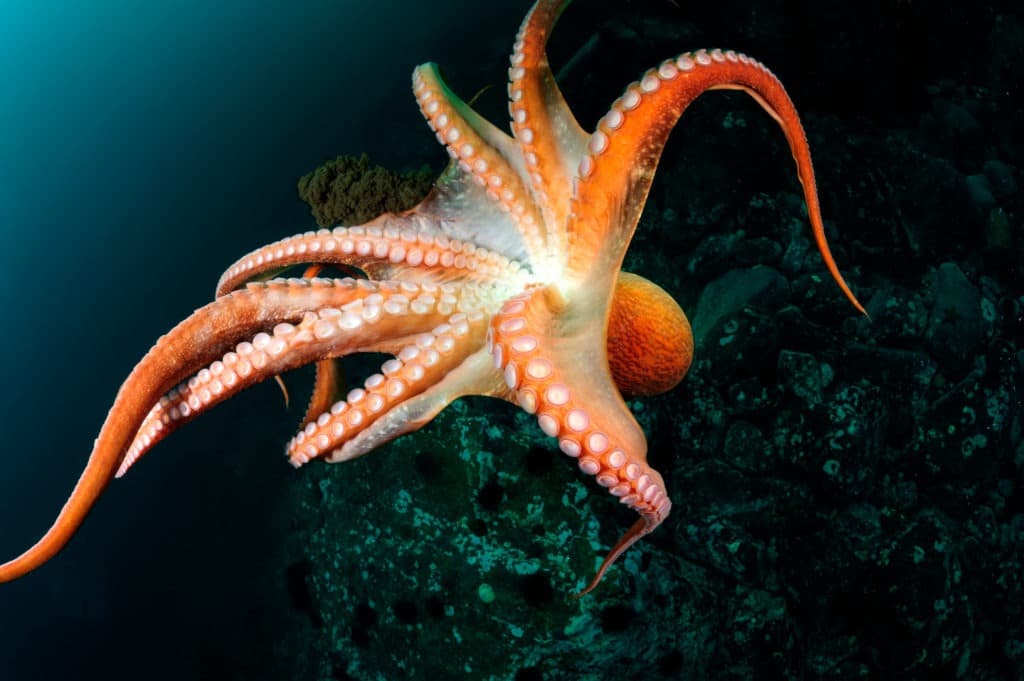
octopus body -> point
(505, 281)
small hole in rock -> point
(616, 618)
(537, 590)
(671, 664)
(296, 576)
(435, 607)
(529, 674)
(365, 615)
(490, 496)
(427, 465)
(361, 637)
(405, 611)
(539, 460)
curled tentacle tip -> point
(284, 390)
(864, 312)
(590, 587)
(641, 527)
(860, 308)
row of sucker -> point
(527, 76)
(539, 389)
(362, 246)
(604, 134)
(649, 84)
(381, 310)
(416, 366)
(478, 159)
(711, 70)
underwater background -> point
(849, 494)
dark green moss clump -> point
(349, 190)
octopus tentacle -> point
(558, 372)
(504, 281)
(347, 429)
(381, 249)
(536, 105)
(616, 173)
(207, 333)
(328, 374)
(377, 317)
(483, 152)
(474, 376)
(327, 387)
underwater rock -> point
(455, 545)
(800, 374)
(932, 190)
(898, 315)
(980, 191)
(715, 254)
(1001, 178)
(955, 325)
(963, 432)
(728, 516)
(842, 440)
(999, 233)
(741, 342)
(906, 373)
(747, 448)
(797, 331)
(1006, 52)
(723, 298)
(814, 293)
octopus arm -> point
(485, 155)
(471, 375)
(210, 331)
(536, 104)
(376, 317)
(616, 173)
(327, 386)
(410, 246)
(554, 365)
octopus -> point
(504, 281)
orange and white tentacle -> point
(551, 140)
(210, 332)
(378, 412)
(382, 250)
(374, 317)
(615, 174)
(555, 376)
(482, 152)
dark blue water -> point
(143, 147)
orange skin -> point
(505, 281)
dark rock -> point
(727, 295)
(981, 191)
(800, 374)
(905, 374)
(741, 343)
(955, 325)
(1001, 178)
(898, 315)
(747, 448)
